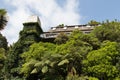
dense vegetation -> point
(79, 56)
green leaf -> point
(38, 64)
(66, 61)
(44, 69)
(52, 64)
(34, 71)
(74, 70)
(47, 61)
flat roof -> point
(33, 19)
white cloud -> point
(50, 13)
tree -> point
(61, 38)
(101, 63)
(45, 62)
(2, 60)
(90, 39)
(37, 59)
(108, 31)
(3, 22)
(60, 25)
(56, 61)
(93, 23)
(29, 35)
(78, 56)
(3, 42)
(3, 18)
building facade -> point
(54, 31)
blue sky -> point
(99, 10)
(54, 12)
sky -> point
(55, 12)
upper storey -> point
(33, 19)
(83, 28)
(33, 23)
(55, 31)
(32, 27)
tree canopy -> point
(3, 18)
(77, 56)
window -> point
(76, 26)
(53, 28)
(64, 27)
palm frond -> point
(3, 18)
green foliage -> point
(32, 28)
(63, 62)
(37, 52)
(60, 25)
(93, 23)
(29, 35)
(3, 42)
(2, 54)
(99, 63)
(94, 56)
(61, 38)
(93, 78)
(108, 31)
(77, 77)
(56, 60)
(88, 38)
(3, 19)
(44, 69)
(2, 60)
(27, 67)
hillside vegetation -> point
(94, 56)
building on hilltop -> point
(32, 29)
(54, 31)
(51, 34)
